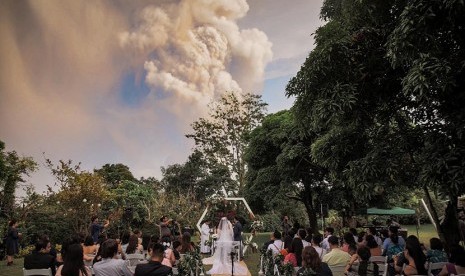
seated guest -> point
(303, 234)
(176, 248)
(297, 247)
(277, 244)
(415, 259)
(169, 254)
(186, 244)
(289, 238)
(336, 256)
(110, 264)
(436, 253)
(360, 263)
(89, 248)
(291, 256)
(134, 246)
(372, 231)
(125, 240)
(154, 267)
(316, 240)
(371, 243)
(393, 245)
(312, 265)
(349, 241)
(329, 231)
(40, 257)
(73, 264)
(456, 263)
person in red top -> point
(291, 256)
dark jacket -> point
(237, 231)
(152, 269)
(298, 247)
(38, 260)
(12, 246)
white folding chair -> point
(383, 269)
(42, 272)
(276, 270)
(175, 270)
(378, 259)
(337, 269)
(135, 259)
(435, 266)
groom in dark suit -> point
(237, 229)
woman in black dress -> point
(12, 247)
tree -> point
(223, 136)
(13, 168)
(280, 163)
(80, 194)
(195, 176)
(113, 174)
(384, 91)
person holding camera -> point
(286, 226)
(168, 227)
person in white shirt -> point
(204, 236)
(316, 240)
(329, 231)
(277, 244)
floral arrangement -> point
(191, 264)
(213, 237)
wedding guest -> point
(73, 262)
(12, 245)
(40, 258)
(336, 256)
(154, 267)
(371, 243)
(96, 228)
(329, 231)
(360, 263)
(303, 234)
(277, 245)
(316, 241)
(456, 264)
(110, 264)
(311, 264)
(436, 253)
(291, 256)
(134, 246)
(297, 246)
(348, 241)
(186, 244)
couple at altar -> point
(223, 260)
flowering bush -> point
(256, 225)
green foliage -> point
(191, 264)
(114, 174)
(223, 136)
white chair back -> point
(383, 269)
(337, 270)
(134, 259)
(435, 266)
(276, 270)
(42, 272)
(378, 259)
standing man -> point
(205, 236)
(328, 233)
(96, 228)
(286, 226)
(237, 229)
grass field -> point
(252, 260)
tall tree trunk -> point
(450, 225)
(434, 214)
(307, 199)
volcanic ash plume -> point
(194, 50)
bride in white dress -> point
(224, 246)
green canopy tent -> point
(393, 211)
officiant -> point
(205, 236)
(237, 229)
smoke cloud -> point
(63, 65)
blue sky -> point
(121, 81)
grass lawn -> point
(252, 260)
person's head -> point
(43, 245)
(371, 242)
(276, 235)
(291, 248)
(394, 234)
(13, 223)
(73, 262)
(132, 244)
(94, 219)
(166, 242)
(352, 249)
(311, 259)
(296, 226)
(316, 239)
(138, 233)
(435, 244)
(413, 250)
(461, 214)
(89, 241)
(109, 248)
(333, 241)
(125, 237)
(291, 233)
(372, 231)
(164, 219)
(302, 233)
(157, 251)
(457, 255)
(363, 253)
(353, 231)
(329, 231)
(286, 218)
(349, 238)
(177, 245)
